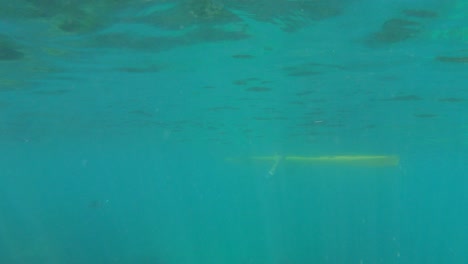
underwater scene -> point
(233, 131)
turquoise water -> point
(130, 131)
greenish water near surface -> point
(118, 120)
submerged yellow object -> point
(351, 160)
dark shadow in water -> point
(394, 30)
(9, 51)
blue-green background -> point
(116, 119)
